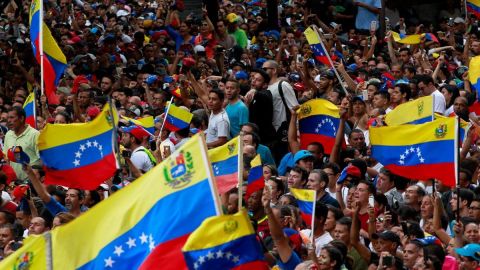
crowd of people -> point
(241, 74)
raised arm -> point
(292, 132)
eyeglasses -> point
(266, 68)
(380, 219)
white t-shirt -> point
(279, 113)
(141, 160)
(321, 241)
(218, 126)
(439, 102)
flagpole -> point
(40, 45)
(115, 133)
(240, 171)
(35, 109)
(457, 164)
(165, 118)
(330, 60)
(313, 216)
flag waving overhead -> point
(225, 163)
(473, 6)
(420, 152)
(224, 242)
(255, 177)
(318, 122)
(54, 61)
(406, 39)
(29, 107)
(177, 118)
(148, 123)
(306, 199)
(474, 72)
(80, 155)
(417, 111)
(316, 45)
(146, 224)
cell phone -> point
(365, 95)
(166, 150)
(126, 153)
(373, 26)
(15, 245)
(388, 261)
(371, 201)
(299, 58)
(404, 228)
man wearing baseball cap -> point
(135, 154)
(469, 256)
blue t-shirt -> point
(238, 115)
(265, 155)
(292, 262)
(54, 207)
(365, 16)
(285, 163)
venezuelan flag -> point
(224, 242)
(420, 152)
(177, 118)
(474, 72)
(417, 111)
(80, 155)
(145, 224)
(464, 125)
(29, 107)
(255, 177)
(406, 39)
(148, 123)
(54, 61)
(32, 255)
(306, 199)
(473, 6)
(226, 164)
(316, 46)
(318, 122)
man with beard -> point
(460, 108)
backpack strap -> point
(280, 91)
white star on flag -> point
(109, 262)
(131, 242)
(89, 144)
(236, 259)
(76, 162)
(143, 238)
(95, 143)
(228, 255)
(219, 254)
(82, 147)
(78, 154)
(210, 255)
(118, 250)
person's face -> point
(426, 208)
(361, 193)
(379, 101)
(254, 201)
(14, 122)
(231, 91)
(331, 175)
(105, 84)
(467, 264)
(410, 255)
(232, 206)
(284, 200)
(248, 139)
(453, 202)
(342, 233)
(411, 195)
(83, 99)
(268, 69)
(306, 163)
(56, 222)
(258, 82)
(330, 222)
(446, 94)
(214, 102)
(313, 182)
(460, 106)
(6, 235)
(294, 180)
(60, 119)
(157, 100)
(404, 57)
(315, 150)
(127, 140)
(324, 260)
(72, 201)
(333, 97)
(383, 183)
(122, 98)
(37, 226)
(371, 89)
(358, 107)
(220, 27)
(357, 140)
(471, 233)
(246, 129)
(351, 196)
(387, 245)
(379, 223)
(324, 82)
(23, 219)
(396, 96)
(474, 210)
(424, 88)
(267, 172)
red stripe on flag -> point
(167, 255)
(226, 182)
(444, 172)
(327, 142)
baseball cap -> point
(358, 98)
(390, 236)
(232, 17)
(301, 155)
(241, 75)
(136, 132)
(470, 250)
(458, 20)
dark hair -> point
(255, 138)
(405, 49)
(424, 79)
(335, 255)
(9, 217)
(81, 193)
(384, 94)
(253, 126)
(370, 186)
(453, 90)
(219, 93)
(273, 170)
(405, 89)
(406, 212)
(280, 185)
(319, 145)
(321, 211)
(65, 115)
(323, 176)
(347, 221)
(337, 213)
(303, 173)
(19, 111)
(465, 194)
(332, 165)
(291, 198)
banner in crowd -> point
(148, 123)
(177, 118)
(226, 162)
(224, 242)
(29, 107)
(145, 224)
(306, 199)
(80, 155)
(32, 255)
(473, 6)
(420, 152)
(318, 120)
(316, 46)
(417, 111)
(255, 177)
